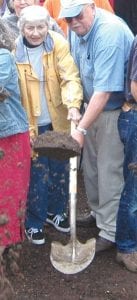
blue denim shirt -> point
(102, 56)
(13, 118)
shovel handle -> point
(73, 198)
(73, 170)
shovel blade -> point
(63, 258)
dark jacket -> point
(127, 10)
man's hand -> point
(78, 136)
(74, 115)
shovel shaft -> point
(73, 224)
(73, 202)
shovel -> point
(75, 256)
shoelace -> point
(57, 219)
(34, 230)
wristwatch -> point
(82, 130)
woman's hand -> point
(74, 115)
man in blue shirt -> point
(100, 45)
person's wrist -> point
(81, 130)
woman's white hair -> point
(33, 13)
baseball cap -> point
(72, 8)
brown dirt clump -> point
(56, 145)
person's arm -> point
(5, 71)
(68, 74)
(134, 89)
(132, 70)
(96, 105)
(94, 108)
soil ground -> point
(103, 279)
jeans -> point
(48, 190)
(126, 230)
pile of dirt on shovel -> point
(56, 145)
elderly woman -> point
(14, 148)
(51, 92)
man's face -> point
(35, 32)
(82, 23)
(20, 4)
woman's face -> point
(35, 32)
